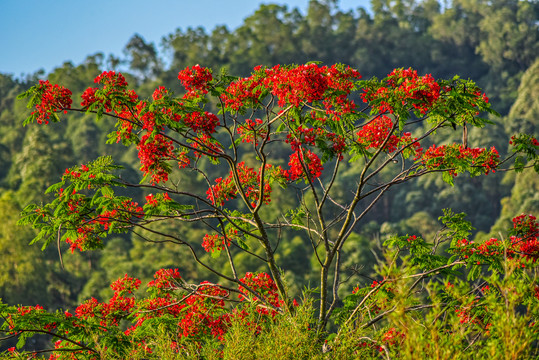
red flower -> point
(125, 284)
(310, 161)
(403, 87)
(264, 285)
(294, 86)
(88, 97)
(153, 152)
(195, 80)
(249, 178)
(53, 98)
(159, 93)
(150, 200)
(87, 309)
(201, 122)
(164, 278)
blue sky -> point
(37, 34)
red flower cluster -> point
(341, 82)
(476, 94)
(199, 313)
(201, 122)
(310, 136)
(126, 284)
(150, 200)
(159, 93)
(530, 139)
(523, 246)
(303, 136)
(113, 96)
(183, 159)
(118, 307)
(206, 144)
(24, 310)
(153, 201)
(295, 86)
(305, 83)
(216, 242)
(222, 191)
(249, 179)
(213, 242)
(393, 336)
(165, 279)
(524, 240)
(87, 309)
(448, 156)
(127, 120)
(89, 97)
(264, 285)
(526, 225)
(156, 307)
(195, 80)
(203, 309)
(84, 240)
(299, 161)
(53, 98)
(404, 87)
(89, 225)
(242, 93)
(154, 150)
(111, 79)
(465, 316)
(374, 133)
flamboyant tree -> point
(292, 129)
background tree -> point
(142, 57)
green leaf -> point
(107, 191)
(54, 187)
(448, 178)
(24, 95)
(242, 244)
(22, 339)
(331, 337)
(474, 273)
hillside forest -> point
(495, 43)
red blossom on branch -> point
(523, 244)
(449, 156)
(114, 94)
(126, 284)
(153, 152)
(52, 98)
(205, 122)
(294, 86)
(404, 87)
(195, 80)
(299, 162)
(263, 284)
(165, 278)
(249, 180)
